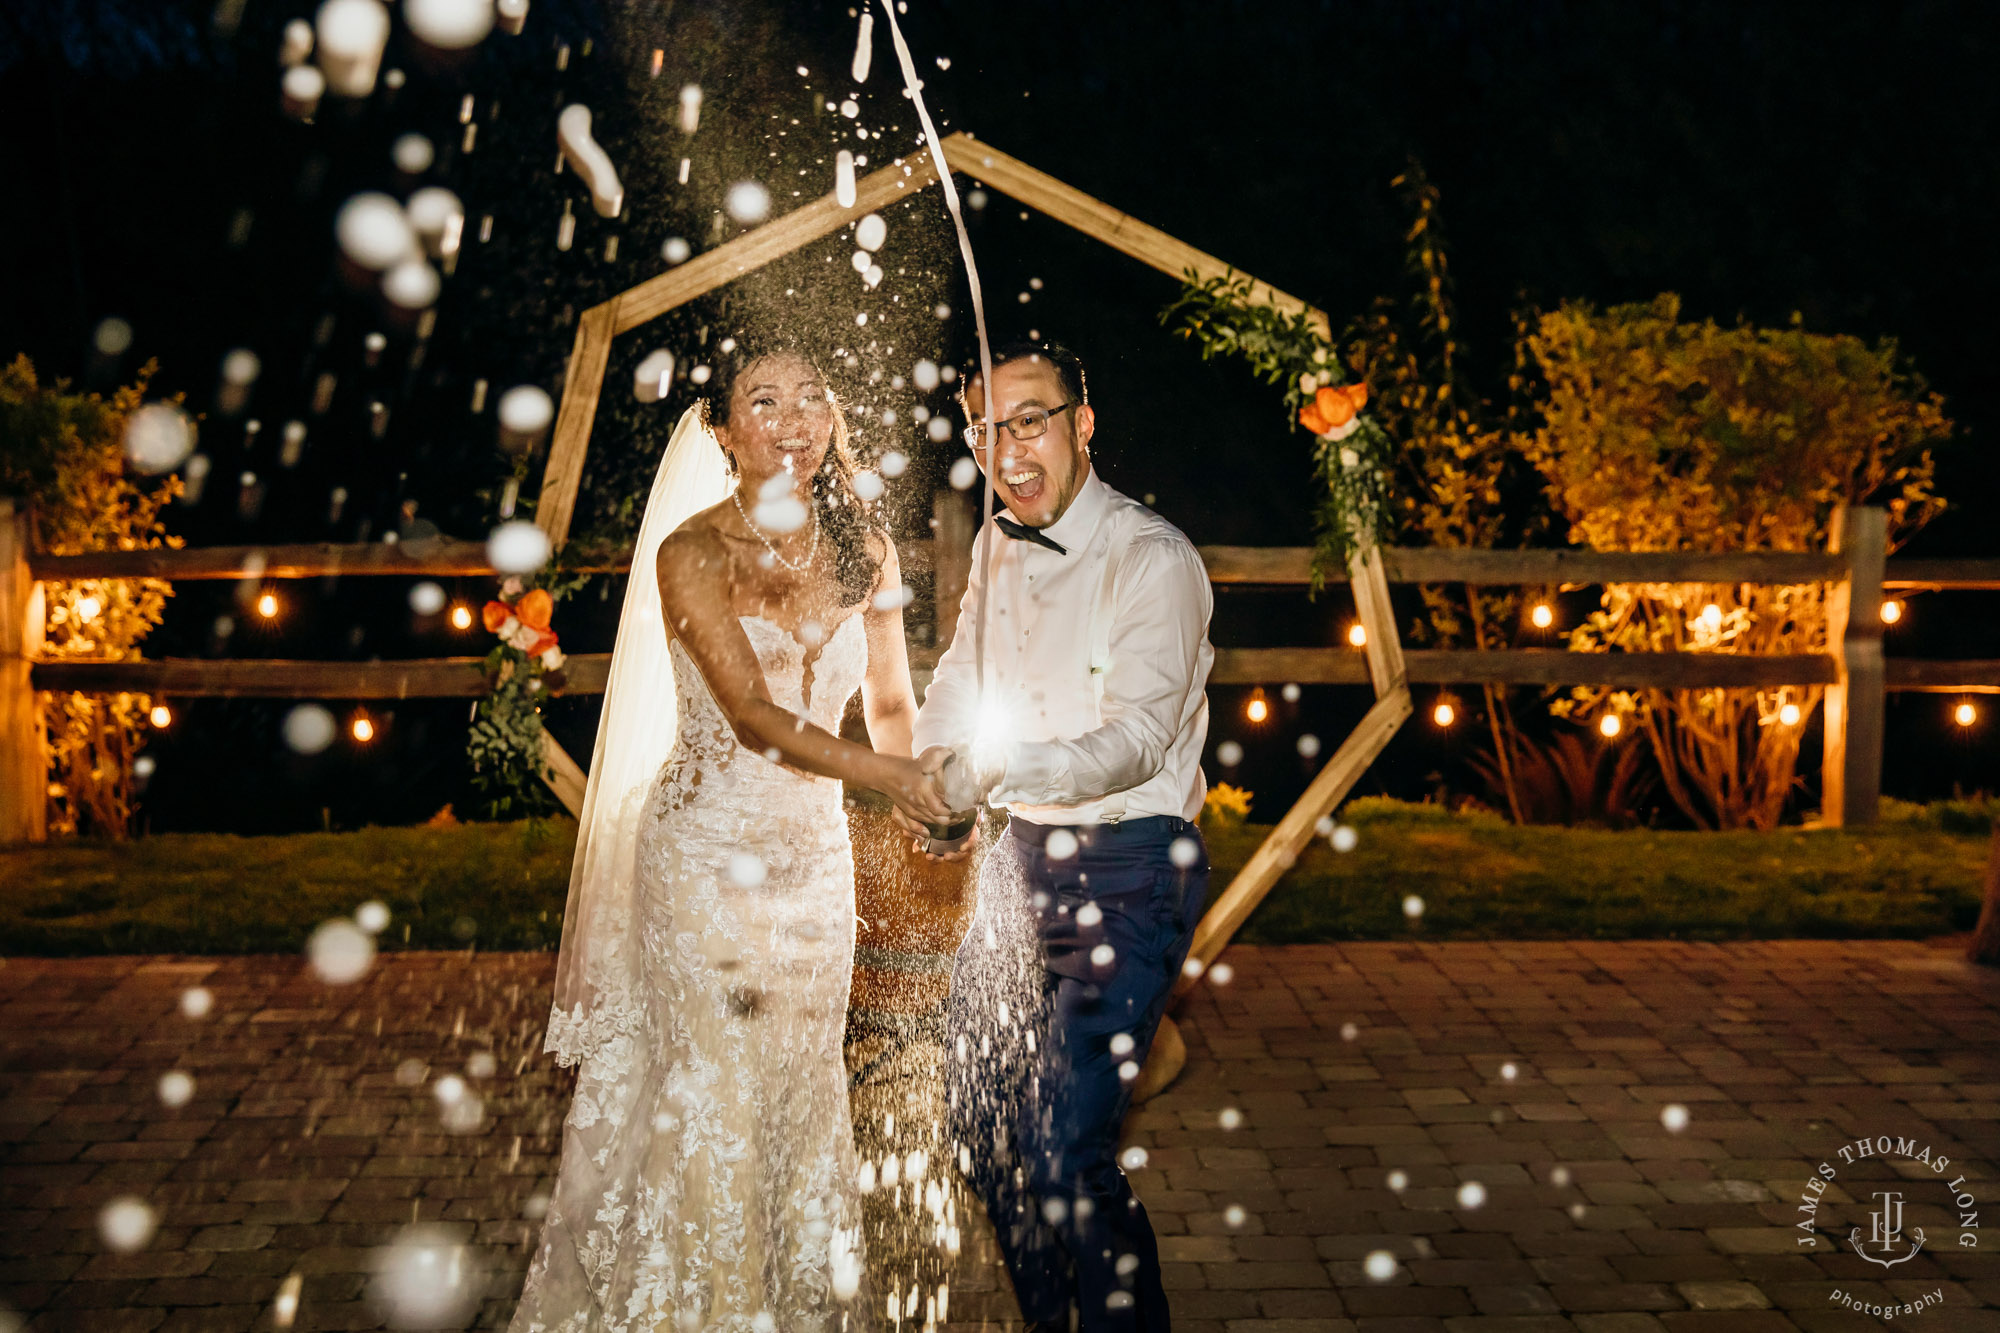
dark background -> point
(1833, 159)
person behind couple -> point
(1090, 734)
(708, 1177)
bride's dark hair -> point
(847, 522)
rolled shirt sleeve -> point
(1161, 607)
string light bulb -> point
(1609, 725)
(1357, 634)
(267, 606)
(1965, 715)
(461, 617)
(88, 607)
(1892, 611)
(363, 729)
(1258, 708)
(1789, 715)
(161, 716)
(1543, 615)
(1444, 714)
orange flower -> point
(543, 642)
(494, 614)
(535, 608)
(1310, 418)
(1337, 403)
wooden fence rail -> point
(1855, 674)
(1270, 566)
(459, 677)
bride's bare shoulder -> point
(695, 552)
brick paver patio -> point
(1541, 1071)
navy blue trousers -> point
(1056, 993)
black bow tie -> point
(1021, 532)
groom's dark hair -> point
(1068, 366)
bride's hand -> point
(913, 790)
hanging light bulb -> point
(1609, 725)
(267, 606)
(1965, 715)
(1357, 634)
(1543, 615)
(461, 617)
(1789, 715)
(1892, 611)
(1258, 708)
(363, 729)
(162, 716)
(1444, 714)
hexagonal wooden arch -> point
(654, 297)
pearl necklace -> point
(812, 553)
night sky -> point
(1833, 159)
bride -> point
(708, 1178)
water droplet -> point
(176, 1088)
(748, 201)
(126, 1224)
(340, 951)
(426, 598)
(308, 729)
(373, 232)
(158, 437)
(517, 547)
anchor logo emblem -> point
(1886, 1232)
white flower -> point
(552, 658)
(1342, 432)
(1348, 458)
(1307, 383)
(510, 589)
(507, 628)
(522, 637)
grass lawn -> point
(501, 886)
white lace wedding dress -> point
(721, 1195)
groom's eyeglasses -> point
(1029, 425)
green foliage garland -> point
(1225, 316)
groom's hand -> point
(931, 762)
(921, 836)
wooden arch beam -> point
(583, 381)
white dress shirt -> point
(1065, 752)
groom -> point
(1091, 736)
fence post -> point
(1851, 773)
(24, 777)
(954, 520)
